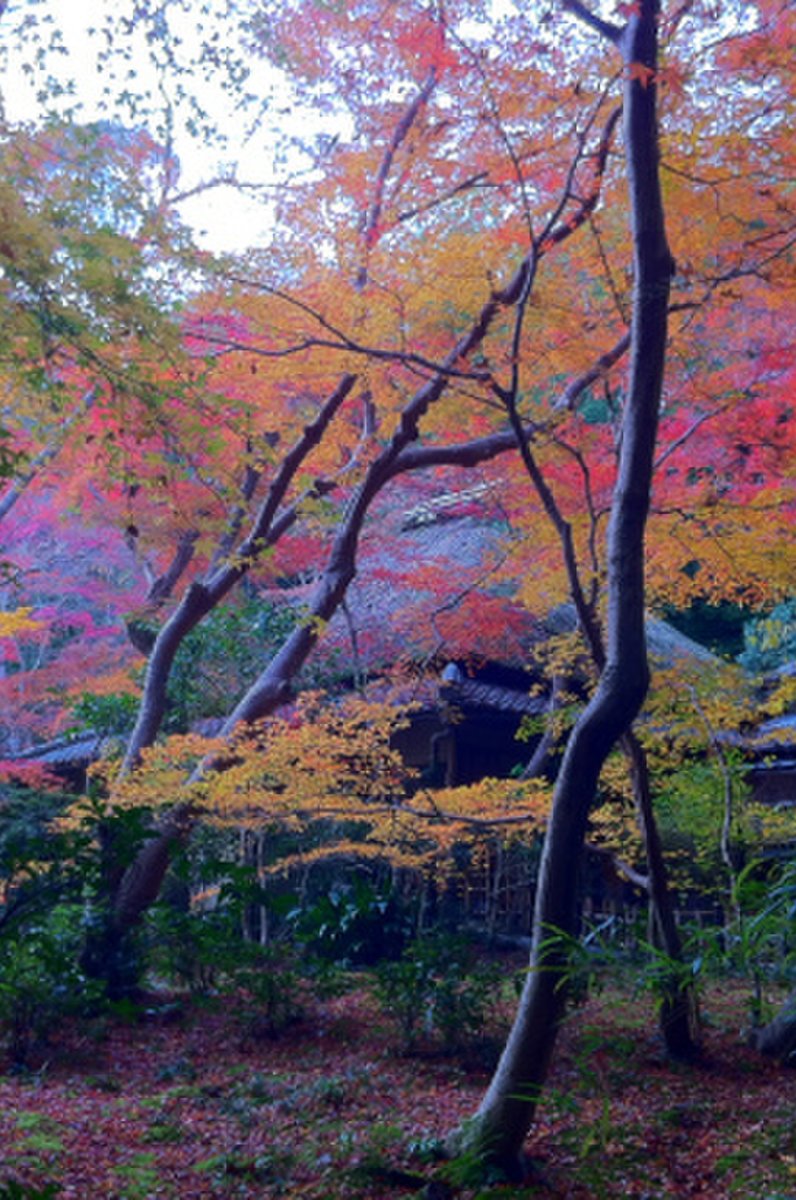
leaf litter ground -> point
(184, 1103)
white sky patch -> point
(90, 85)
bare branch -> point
(201, 598)
(162, 587)
(624, 868)
(595, 373)
(479, 450)
(606, 29)
(372, 219)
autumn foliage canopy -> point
(447, 244)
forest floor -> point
(186, 1103)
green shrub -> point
(438, 992)
(221, 657)
(207, 953)
(41, 983)
(355, 924)
(111, 715)
(758, 942)
(770, 641)
(761, 942)
(35, 860)
(197, 950)
(275, 990)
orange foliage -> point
(330, 772)
(461, 144)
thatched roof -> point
(470, 693)
(432, 591)
(435, 591)
(65, 753)
(776, 738)
(666, 645)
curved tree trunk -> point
(498, 1130)
(141, 882)
(200, 598)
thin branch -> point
(251, 478)
(201, 598)
(162, 587)
(606, 29)
(466, 185)
(372, 219)
(479, 450)
(35, 466)
(728, 815)
(344, 344)
(595, 373)
(695, 425)
(624, 868)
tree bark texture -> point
(499, 1128)
(678, 1004)
(778, 1038)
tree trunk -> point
(678, 1011)
(498, 1130)
(200, 598)
(142, 881)
(778, 1038)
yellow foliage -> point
(782, 698)
(160, 780)
(517, 809)
(330, 771)
(772, 825)
(115, 683)
(19, 621)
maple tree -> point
(418, 45)
(454, 257)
